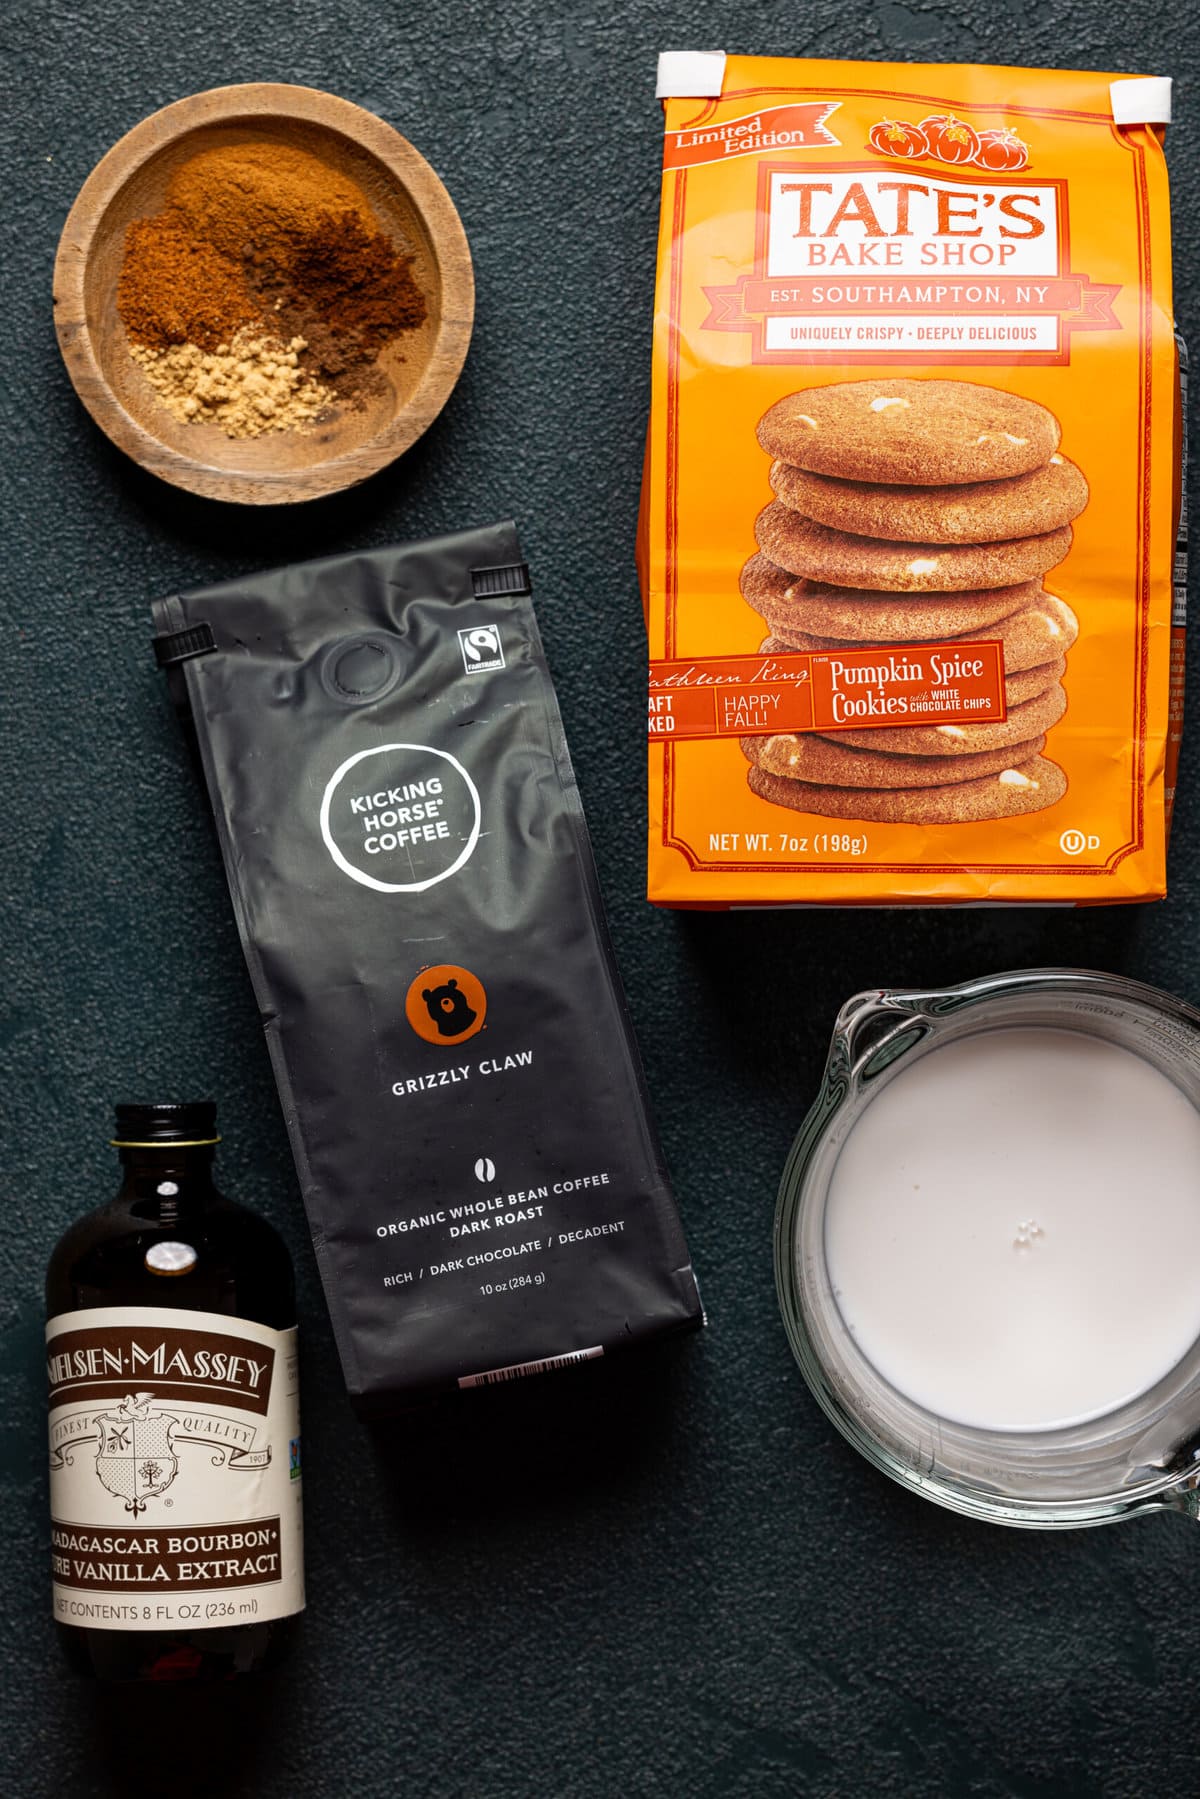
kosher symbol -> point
(136, 1458)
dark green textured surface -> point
(673, 1579)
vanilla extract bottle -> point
(176, 1533)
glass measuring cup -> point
(1142, 1456)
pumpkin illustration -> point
(949, 139)
(898, 137)
(1001, 150)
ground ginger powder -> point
(251, 386)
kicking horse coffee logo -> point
(136, 1458)
(449, 1008)
(446, 1005)
(401, 817)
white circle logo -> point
(410, 811)
(1072, 843)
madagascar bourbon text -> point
(174, 1469)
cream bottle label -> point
(174, 1469)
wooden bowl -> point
(421, 366)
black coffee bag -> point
(416, 897)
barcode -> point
(517, 1370)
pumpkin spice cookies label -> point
(735, 696)
(908, 536)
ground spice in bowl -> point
(263, 292)
(256, 384)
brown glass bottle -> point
(176, 1435)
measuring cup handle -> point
(875, 1027)
(868, 1028)
(1183, 1498)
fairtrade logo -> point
(943, 138)
(446, 1004)
(481, 649)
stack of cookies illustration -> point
(909, 512)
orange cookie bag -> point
(911, 498)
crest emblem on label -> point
(136, 1459)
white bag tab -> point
(690, 75)
(1141, 100)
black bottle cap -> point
(191, 1125)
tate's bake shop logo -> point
(960, 260)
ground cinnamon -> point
(265, 196)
